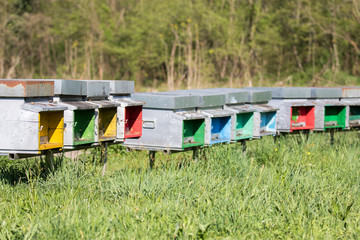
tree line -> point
(183, 43)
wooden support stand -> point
(104, 157)
(49, 159)
(152, 159)
(332, 140)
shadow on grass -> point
(21, 170)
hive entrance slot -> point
(193, 132)
(244, 125)
(107, 124)
(51, 130)
(133, 121)
(267, 123)
(335, 117)
(84, 123)
(354, 118)
(302, 117)
(220, 129)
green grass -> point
(288, 189)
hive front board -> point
(302, 118)
(84, 127)
(242, 122)
(335, 117)
(129, 118)
(105, 120)
(330, 113)
(294, 114)
(51, 130)
(264, 120)
(217, 125)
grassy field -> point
(289, 189)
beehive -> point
(80, 115)
(129, 111)
(264, 115)
(218, 121)
(97, 93)
(296, 109)
(31, 121)
(170, 123)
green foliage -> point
(176, 44)
(291, 188)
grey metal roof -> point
(70, 87)
(97, 89)
(233, 95)
(167, 101)
(286, 92)
(121, 87)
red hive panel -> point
(302, 118)
(133, 121)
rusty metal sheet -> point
(350, 92)
(26, 88)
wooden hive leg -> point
(151, 159)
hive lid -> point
(70, 87)
(81, 105)
(218, 112)
(188, 115)
(125, 102)
(286, 92)
(326, 92)
(258, 96)
(120, 87)
(97, 89)
(207, 98)
(350, 92)
(26, 88)
(104, 103)
(42, 107)
(166, 101)
(242, 108)
(264, 108)
(233, 95)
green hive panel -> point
(244, 125)
(335, 117)
(84, 123)
(193, 133)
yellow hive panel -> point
(51, 130)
